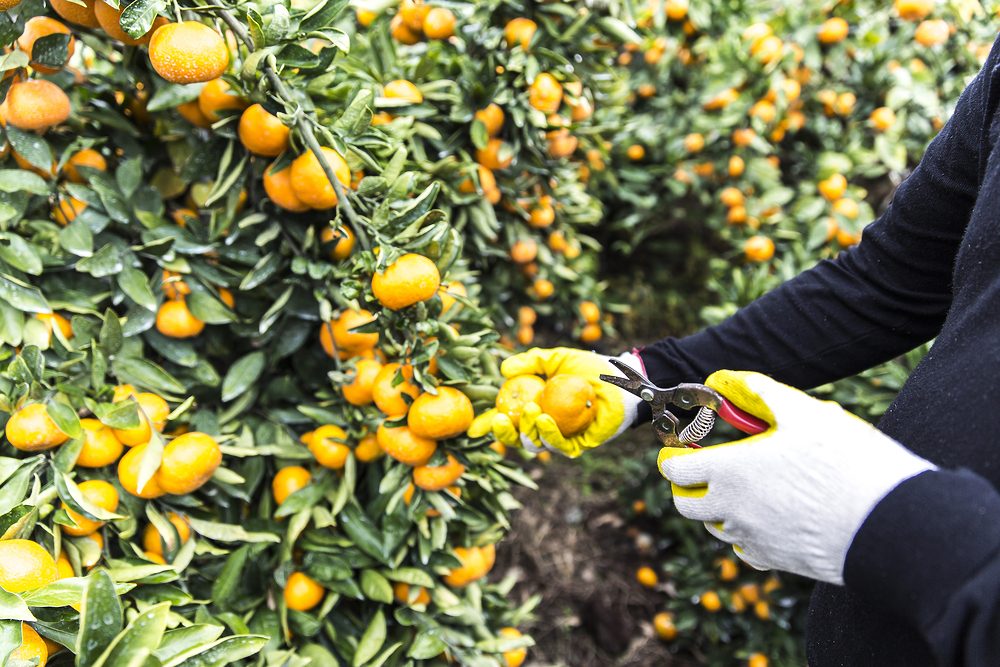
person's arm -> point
(930, 552)
(873, 302)
(824, 494)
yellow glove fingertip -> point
(482, 424)
(504, 430)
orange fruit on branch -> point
(153, 411)
(31, 650)
(388, 398)
(359, 391)
(82, 15)
(278, 186)
(175, 320)
(545, 93)
(518, 391)
(571, 402)
(519, 31)
(402, 593)
(436, 478)
(833, 30)
(403, 445)
(337, 335)
(310, 183)
(341, 240)
(153, 541)
(302, 593)
(437, 417)
(514, 657)
(189, 461)
(328, 445)
(492, 117)
(25, 566)
(88, 158)
(36, 105)
(263, 133)
(128, 474)
(100, 446)
(216, 97)
(439, 23)
(109, 18)
(98, 493)
(188, 52)
(31, 429)
(758, 248)
(409, 280)
(404, 90)
(288, 480)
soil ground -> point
(570, 545)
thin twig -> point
(303, 126)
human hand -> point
(793, 497)
(519, 418)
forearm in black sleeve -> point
(930, 553)
(876, 301)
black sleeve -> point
(930, 553)
(878, 300)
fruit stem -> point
(303, 126)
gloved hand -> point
(793, 497)
(616, 408)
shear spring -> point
(699, 427)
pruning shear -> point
(686, 395)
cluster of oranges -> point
(569, 399)
(186, 463)
(414, 20)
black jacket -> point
(923, 573)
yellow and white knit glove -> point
(793, 497)
(616, 408)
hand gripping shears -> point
(686, 395)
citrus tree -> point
(242, 343)
(496, 103)
(789, 127)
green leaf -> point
(70, 493)
(182, 640)
(19, 180)
(360, 529)
(65, 418)
(129, 174)
(11, 324)
(133, 646)
(376, 587)
(371, 641)
(138, 17)
(77, 239)
(65, 592)
(357, 117)
(242, 374)
(426, 645)
(19, 253)
(225, 532)
(323, 15)
(107, 261)
(133, 282)
(208, 309)
(13, 608)
(10, 639)
(133, 370)
(121, 415)
(227, 581)
(51, 50)
(31, 147)
(22, 296)
(225, 651)
(100, 618)
(412, 576)
(111, 338)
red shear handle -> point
(741, 419)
